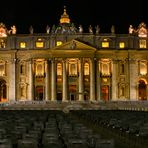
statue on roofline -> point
(80, 29)
(13, 29)
(142, 30)
(3, 30)
(47, 29)
(131, 29)
(113, 29)
(90, 29)
(31, 29)
(97, 29)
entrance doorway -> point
(39, 93)
(105, 93)
(72, 97)
(59, 96)
(3, 91)
(142, 90)
(72, 90)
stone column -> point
(98, 87)
(31, 82)
(133, 75)
(12, 80)
(81, 82)
(92, 80)
(146, 92)
(47, 81)
(53, 81)
(64, 94)
(114, 80)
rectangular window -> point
(121, 45)
(105, 44)
(22, 44)
(143, 67)
(59, 43)
(59, 69)
(39, 44)
(142, 43)
(86, 69)
(2, 69)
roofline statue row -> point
(66, 27)
(4, 32)
(141, 31)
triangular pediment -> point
(74, 45)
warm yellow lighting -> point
(121, 44)
(39, 44)
(64, 17)
(2, 69)
(105, 80)
(22, 45)
(105, 44)
(86, 69)
(3, 30)
(143, 67)
(40, 68)
(142, 43)
(105, 67)
(72, 69)
(39, 39)
(105, 39)
(59, 69)
(59, 43)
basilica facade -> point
(66, 64)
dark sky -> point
(39, 13)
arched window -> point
(40, 69)
(59, 69)
(72, 67)
(86, 69)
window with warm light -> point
(105, 44)
(40, 68)
(22, 44)
(58, 43)
(121, 45)
(59, 69)
(39, 44)
(86, 69)
(2, 68)
(72, 69)
(142, 43)
(143, 67)
(105, 67)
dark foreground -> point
(76, 129)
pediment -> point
(74, 45)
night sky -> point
(105, 13)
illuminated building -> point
(67, 64)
